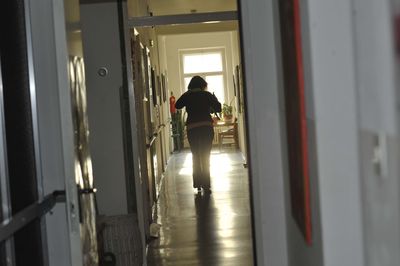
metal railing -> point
(154, 136)
(18, 221)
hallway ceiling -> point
(171, 7)
(141, 8)
(197, 28)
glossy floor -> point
(198, 229)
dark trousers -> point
(200, 140)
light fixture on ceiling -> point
(212, 22)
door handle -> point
(80, 192)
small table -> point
(231, 132)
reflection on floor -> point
(200, 229)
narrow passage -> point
(199, 229)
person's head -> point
(197, 82)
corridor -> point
(199, 229)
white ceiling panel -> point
(171, 7)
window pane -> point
(187, 80)
(216, 85)
(200, 63)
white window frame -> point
(220, 50)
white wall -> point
(104, 105)
(377, 85)
(236, 60)
(265, 135)
(333, 123)
(173, 7)
(331, 100)
(333, 84)
(163, 68)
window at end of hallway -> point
(209, 65)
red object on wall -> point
(172, 108)
(397, 33)
(303, 120)
(296, 123)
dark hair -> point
(197, 82)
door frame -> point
(261, 70)
(6, 213)
(55, 137)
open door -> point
(142, 116)
(83, 165)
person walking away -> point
(199, 104)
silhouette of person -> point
(199, 125)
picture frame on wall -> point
(397, 33)
(153, 87)
(295, 112)
(164, 87)
(239, 88)
(234, 86)
(159, 91)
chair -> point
(231, 133)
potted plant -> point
(227, 112)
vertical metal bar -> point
(32, 87)
(6, 214)
(35, 123)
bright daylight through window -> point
(209, 65)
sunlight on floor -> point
(187, 165)
(225, 220)
(211, 229)
(220, 165)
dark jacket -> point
(199, 104)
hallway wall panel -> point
(333, 141)
(377, 86)
(258, 38)
(101, 45)
(333, 85)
